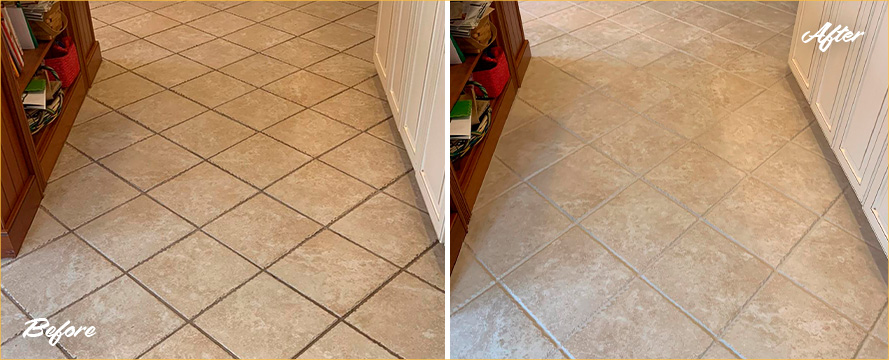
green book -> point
(36, 84)
(462, 109)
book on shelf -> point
(12, 47)
(461, 120)
(23, 33)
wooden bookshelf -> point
(460, 74)
(33, 58)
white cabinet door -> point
(804, 56)
(409, 54)
(876, 206)
(862, 140)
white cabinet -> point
(804, 56)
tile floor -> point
(233, 187)
(661, 191)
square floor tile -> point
(220, 24)
(113, 13)
(407, 190)
(581, 181)
(541, 91)
(153, 5)
(598, 69)
(639, 90)
(172, 71)
(539, 31)
(363, 51)
(639, 144)
(468, 280)
(329, 10)
(522, 113)
(777, 47)
(344, 69)
(61, 282)
(515, 335)
(202, 193)
(265, 301)
(187, 343)
(135, 231)
(186, 11)
(257, 10)
(90, 109)
(783, 321)
(217, 53)
(259, 109)
(571, 19)
(146, 24)
(706, 18)
(639, 50)
(122, 90)
(679, 69)
(43, 229)
(258, 37)
(85, 194)
(13, 318)
(430, 267)
(336, 36)
(70, 159)
(535, 146)
(131, 319)
(513, 226)
(675, 33)
(554, 283)
(806, 177)
(762, 220)
(603, 34)
(724, 89)
(37, 348)
(872, 349)
(106, 134)
(848, 214)
(333, 271)
(388, 132)
(311, 132)
(686, 113)
(639, 323)
(639, 18)
(405, 234)
(695, 177)
(758, 68)
(295, 22)
(260, 160)
(320, 191)
(208, 134)
(714, 49)
(136, 54)
(364, 20)
(736, 8)
(672, 8)
(745, 33)
(213, 89)
(369, 159)
(741, 142)
(299, 52)
(419, 335)
(562, 50)
(258, 70)
(111, 37)
(543, 8)
(842, 270)
(160, 111)
(180, 38)
(345, 343)
(780, 115)
(262, 229)
(708, 275)
(304, 88)
(150, 162)
(194, 273)
(355, 108)
(638, 224)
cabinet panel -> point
(804, 56)
(877, 205)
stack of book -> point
(465, 16)
(17, 35)
(42, 101)
(36, 10)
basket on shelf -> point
(62, 57)
(461, 147)
(39, 118)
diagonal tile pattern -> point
(226, 150)
(660, 191)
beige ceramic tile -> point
(675, 33)
(780, 115)
(13, 319)
(520, 114)
(724, 89)
(106, 134)
(382, 317)
(69, 160)
(599, 69)
(320, 191)
(222, 5)
(153, 5)
(803, 176)
(136, 54)
(782, 321)
(405, 234)
(639, 144)
(311, 132)
(543, 8)
(259, 109)
(777, 47)
(695, 177)
(186, 11)
(843, 271)
(736, 8)
(208, 134)
(562, 50)
(741, 142)
(35, 348)
(180, 38)
(146, 24)
(498, 179)
(304, 88)
(535, 146)
(172, 71)
(295, 22)
(686, 113)
(372, 87)
(333, 271)
(548, 282)
(495, 327)
(708, 275)
(638, 224)
(880, 328)
(388, 132)
(43, 229)
(187, 343)
(718, 351)
(90, 109)
(257, 11)
(258, 37)
(639, 90)
(162, 110)
(61, 283)
(111, 37)
(122, 90)
(745, 33)
(848, 214)
(406, 189)
(769, 18)
(344, 69)
(299, 52)
(468, 280)
(431, 266)
(539, 31)
(672, 8)
(639, 323)
(873, 349)
(639, 18)
(220, 24)
(639, 50)
(202, 193)
(355, 109)
(194, 273)
(85, 194)
(762, 220)
(364, 20)
(135, 231)
(265, 301)
(714, 49)
(581, 181)
(132, 319)
(706, 18)
(330, 10)
(217, 53)
(603, 34)
(758, 68)
(513, 226)
(113, 13)
(336, 36)
(571, 19)
(679, 69)
(213, 89)
(369, 159)
(364, 51)
(343, 342)
(260, 160)
(262, 229)
(258, 70)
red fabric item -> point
(494, 79)
(63, 59)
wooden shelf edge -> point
(460, 74)
(33, 59)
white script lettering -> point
(40, 327)
(825, 39)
